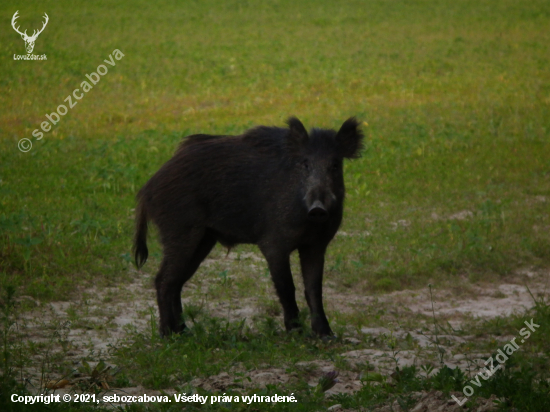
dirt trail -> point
(99, 319)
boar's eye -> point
(305, 164)
(335, 166)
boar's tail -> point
(140, 239)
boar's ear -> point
(350, 139)
(297, 137)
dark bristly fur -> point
(279, 188)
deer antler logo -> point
(29, 40)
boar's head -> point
(318, 157)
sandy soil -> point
(119, 310)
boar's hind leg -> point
(279, 267)
(312, 260)
(181, 260)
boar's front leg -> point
(279, 267)
(312, 261)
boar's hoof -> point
(329, 338)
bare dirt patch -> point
(96, 320)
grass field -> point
(453, 188)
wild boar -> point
(279, 188)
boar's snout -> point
(317, 212)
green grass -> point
(212, 346)
(455, 97)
